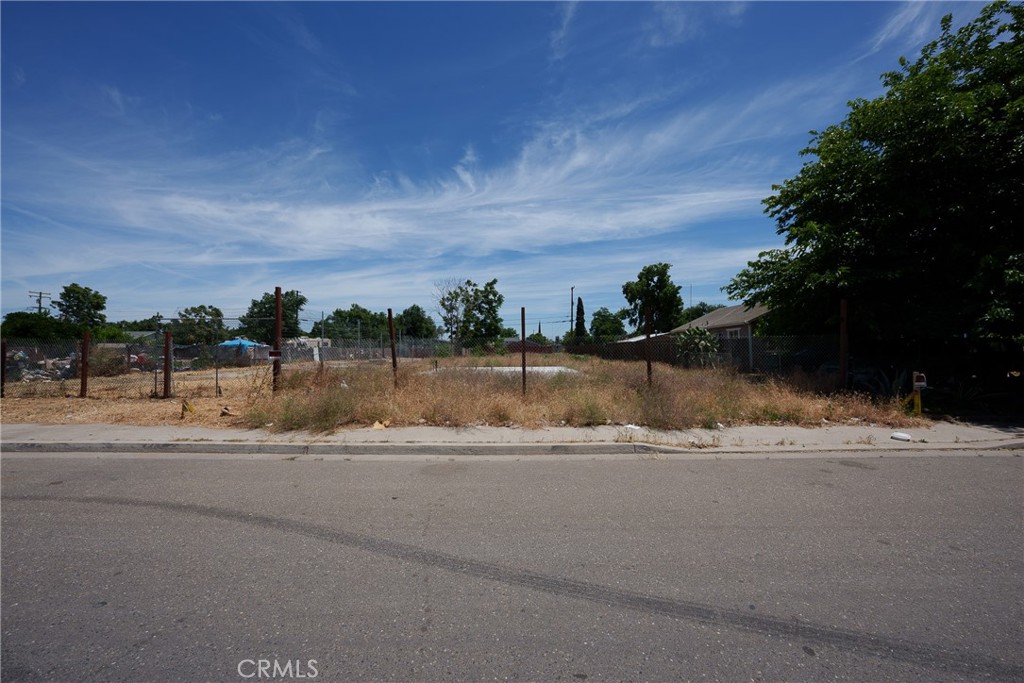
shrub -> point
(698, 347)
(107, 362)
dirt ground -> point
(140, 411)
(115, 400)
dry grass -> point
(603, 392)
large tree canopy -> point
(654, 291)
(911, 208)
(259, 321)
(607, 326)
(414, 322)
(80, 305)
(199, 325)
(356, 323)
(32, 325)
(469, 311)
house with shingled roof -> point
(731, 322)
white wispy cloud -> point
(910, 25)
(590, 195)
(464, 169)
(675, 23)
(559, 41)
(591, 180)
(119, 102)
(301, 35)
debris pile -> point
(21, 367)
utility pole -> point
(39, 296)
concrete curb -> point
(341, 448)
(36, 440)
(480, 449)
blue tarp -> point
(238, 341)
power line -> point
(39, 296)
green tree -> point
(151, 324)
(579, 333)
(199, 325)
(911, 206)
(653, 290)
(259, 321)
(482, 319)
(109, 333)
(448, 298)
(539, 338)
(469, 311)
(416, 323)
(80, 305)
(356, 323)
(23, 325)
(607, 326)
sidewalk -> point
(503, 441)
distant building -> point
(145, 337)
(308, 342)
(731, 322)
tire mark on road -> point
(856, 642)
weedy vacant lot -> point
(473, 391)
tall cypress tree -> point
(580, 333)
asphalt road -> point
(838, 568)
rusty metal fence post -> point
(522, 340)
(278, 334)
(83, 365)
(168, 363)
(844, 347)
(394, 355)
(647, 343)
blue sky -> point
(176, 154)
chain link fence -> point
(54, 368)
(767, 355)
(34, 368)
